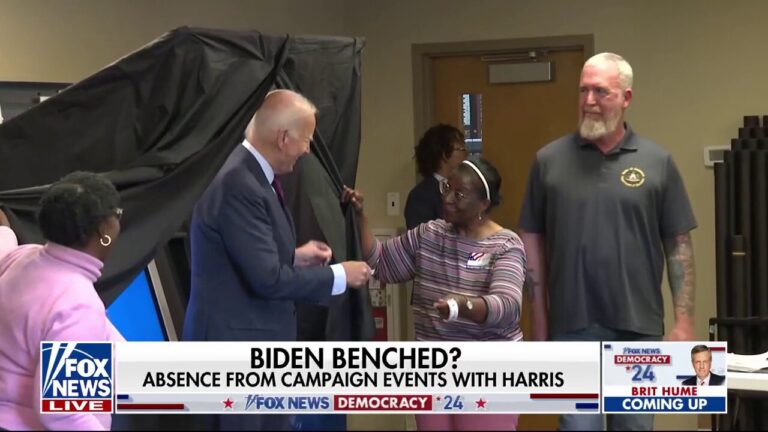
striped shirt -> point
(442, 263)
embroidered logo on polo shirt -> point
(633, 177)
(478, 260)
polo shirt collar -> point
(627, 143)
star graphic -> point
(228, 403)
(439, 398)
(628, 368)
(481, 403)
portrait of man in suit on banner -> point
(701, 359)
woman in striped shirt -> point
(468, 274)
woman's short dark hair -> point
(73, 207)
(491, 175)
(434, 145)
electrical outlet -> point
(393, 203)
(714, 154)
(378, 297)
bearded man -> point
(603, 209)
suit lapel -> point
(254, 168)
(290, 223)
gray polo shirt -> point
(603, 218)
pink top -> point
(46, 294)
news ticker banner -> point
(661, 377)
(407, 377)
(416, 377)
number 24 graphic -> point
(643, 375)
(453, 403)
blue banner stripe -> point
(587, 405)
(123, 397)
(664, 404)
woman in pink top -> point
(47, 294)
(468, 274)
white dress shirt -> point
(705, 381)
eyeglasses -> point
(445, 189)
(118, 213)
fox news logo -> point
(76, 377)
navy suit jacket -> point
(714, 380)
(244, 283)
(424, 203)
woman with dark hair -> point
(438, 153)
(47, 294)
(468, 274)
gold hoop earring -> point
(105, 240)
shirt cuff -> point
(339, 280)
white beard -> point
(592, 128)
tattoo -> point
(679, 251)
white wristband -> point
(453, 309)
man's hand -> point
(4, 219)
(535, 286)
(312, 253)
(357, 273)
(681, 332)
(354, 197)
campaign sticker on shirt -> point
(478, 260)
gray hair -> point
(625, 70)
(299, 98)
(280, 110)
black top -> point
(603, 218)
(424, 203)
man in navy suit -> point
(246, 270)
(701, 358)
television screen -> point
(135, 312)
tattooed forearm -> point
(682, 277)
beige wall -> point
(67, 40)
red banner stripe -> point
(151, 406)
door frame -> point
(422, 56)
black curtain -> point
(161, 121)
